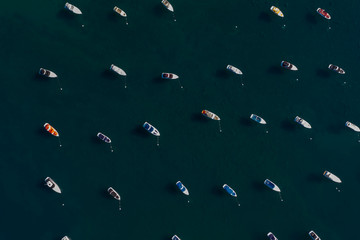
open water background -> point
(197, 47)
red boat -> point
(323, 13)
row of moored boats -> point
(320, 11)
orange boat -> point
(51, 130)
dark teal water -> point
(197, 47)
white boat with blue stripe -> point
(271, 185)
(151, 129)
(257, 119)
(229, 190)
(182, 188)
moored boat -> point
(229, 190)
(234, 69)
(182, 188)
(167, 5)
(119, 11)
(272, 236)
(51, 130)
(52, 184)
(336, 69)
(175, 237)
(352, 126)
(257, 119)
(277, 11)
(169, 76)
(72, 8)
(288, 65)
(210, 115)
(65, 238)
(151, 129)
(103, 137)
(47, 73)
(302, 122)
(271, 185)
(117, 70)
(313, 235)
(332, 177)
(323, 13)
(113, 193)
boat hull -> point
(210, 115)
(103, 137)
(352, 126)
(117, 70)
(72, 8)
(272, 185)
(119, 11)
(277, 11)
(151, 129)
(257, 119)
(167, 5)
(332, 177)
(47, 73)
(169, 76)
(113, 193)
(234, 69)
(323, 13)
(288, 65)
(229, 190)
(271, 236)
(302, 122)
(52, 184)
(313, 235)
(182, 188)
(336, 69)
(51, 130)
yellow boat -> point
(277, 11)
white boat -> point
(175, 237)
(313, 235)
(117, 70)
(113, 193)
(257, 119)
(271, 185)
(47, 73)
(288, 65)
(72, 8)
(151, 129)
(51, 184)
(210, 115)
(65, 238)
(332, 177)
(182, 188)
(169, 76)
(302, 122)
(167, 5)
(352, 126)
(271, 236)
(119, 11)
(336, 69)
(234, 69)
(276, 11)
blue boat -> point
(151, 129)
(272, 185)
(257, 119)
(182, 188)
(229, 190)
(103, 137)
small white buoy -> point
(267, 131)
(310, 138)
(235, 26)
(82, 25)
(63, 204)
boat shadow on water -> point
(311, 18)
(159, 80)
(171, 188)
(223, 73)
(323, 73)
(66, 14)
(141, 132)
(113, 16)
(160, 10)
(108, 74)
(246, 121)
(42, 132)
(197, 117)
(288, 125)
(275, 70)
(258, 186)
(218, 191)
(312, 177)
(265, 17)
